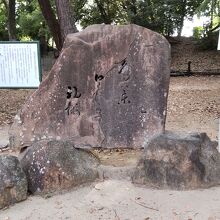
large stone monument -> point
(108, 89)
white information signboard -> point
(20, 65)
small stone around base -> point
(179, 162)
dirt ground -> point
(193, 106)
(119, 200)
(186, 49)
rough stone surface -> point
(13, 182)
(52, 166)
(121, 80)
(177, 162)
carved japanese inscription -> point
(107, 89)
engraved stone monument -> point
(108, 89)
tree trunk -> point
(183, 14)
(10, 8)
(52, 22)
(180, 28)
(212, 13)
(65, 17)
(11, 20)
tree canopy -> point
(37, 19)
(210, 8)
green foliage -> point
(209, 42)
(78, 7)
(164, 16)
(198, 32)
(210, 8)
(207, 6)
(103, 11)
(157, 15)
(3, 23)
(30, 20)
